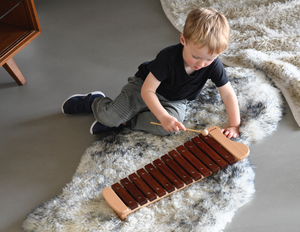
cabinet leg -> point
(12, 68)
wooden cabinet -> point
(19, 25)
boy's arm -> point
(232, 108)
(148, 92)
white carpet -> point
(264, 34)
(204, 206)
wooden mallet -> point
(204, 132)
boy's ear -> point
(182, 39)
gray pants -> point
(130, 108)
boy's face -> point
(195, 57)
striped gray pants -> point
(130, 108)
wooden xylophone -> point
(189, 163)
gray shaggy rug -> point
(204, 206)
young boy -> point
(161, 88)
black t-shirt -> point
(176, 84)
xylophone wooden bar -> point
(142, 186)
(128, 200)
(210, 152)
(133, 190)
(218, 148)
(165, 183)
(163, 168)
(185, 165)
(176, 168)
(197, 159)
(151, 182)
(202, 157)
(193, 161)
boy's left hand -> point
(231, 132)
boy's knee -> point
(105, 113)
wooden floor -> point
(96, 45)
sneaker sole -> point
(80, 95)
(91, 128)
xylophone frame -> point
(238, 150)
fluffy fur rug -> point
(205, 206)
(264, 34)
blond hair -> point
(207, 27)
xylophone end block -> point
(115, 203)
(239, 150)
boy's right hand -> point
(171, 124)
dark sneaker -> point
(80, 103)
(97, 128)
